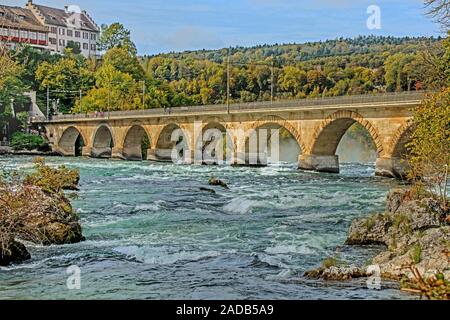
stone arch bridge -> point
(316, 124)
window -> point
(24, 34)
(62, 42)
(77, 34)
(85, 46)
(14, 33)
(42, 36)
(93, 47)
(4, 32)
(54, 30)
(69, 33)
(33, 35)
(93, 36)
(62, 31)
(85, 35)
(52, 40)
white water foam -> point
(284, 249)
(162, 256)
(240, 206)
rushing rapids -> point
(152, 233)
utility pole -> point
(228, 82)
(143, 94)
(109, 98)
(81, 101)
(271, 83)
(48, 101)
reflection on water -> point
(152, 234)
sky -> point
(175, 25)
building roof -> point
(60, 17)
(19, 18)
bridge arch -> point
(136, 138)
(103, 141)
(398, 145)
(207, 142)
(71, 142)
(164, 143)
(271, 122)
(329, 133)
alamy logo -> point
(374, 20)
(230, 146)
(374, 280)
(74, 279)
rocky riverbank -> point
(35, 209)
(36, 153)
(415, 233)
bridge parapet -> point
(399, 98)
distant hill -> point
(292, 53)
(362, 65)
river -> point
(152, 234)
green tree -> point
(292, 80)
(430, 146)
(65, 78)
(397, 76)
(74, 46)
(125, 61)
(114, 90)
(116, 36)
(11, 85)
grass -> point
(416, 253)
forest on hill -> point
(123, 80)
(366, 64)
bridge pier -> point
(319, 163)
(165, 155)
(117, 153)
(86, 151)
(101, 152)
(391, 168)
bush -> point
(25, 141)
(52, 180)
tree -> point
(115, 90)
(116, 36)
(397, 76)
(292, 80)
(125, 61)
(439, 10)
(65, 78)
(75, 46)
(11, 85)
(430, 146)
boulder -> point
(49, 219)
(415, 232)
(216, 182)
(421, 214)
(338, 273)
(371, 230)
(13, 252)
(212, 191)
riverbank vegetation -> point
(35, 208)
(25, 141)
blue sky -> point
(174, 25)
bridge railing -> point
(293, 103)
